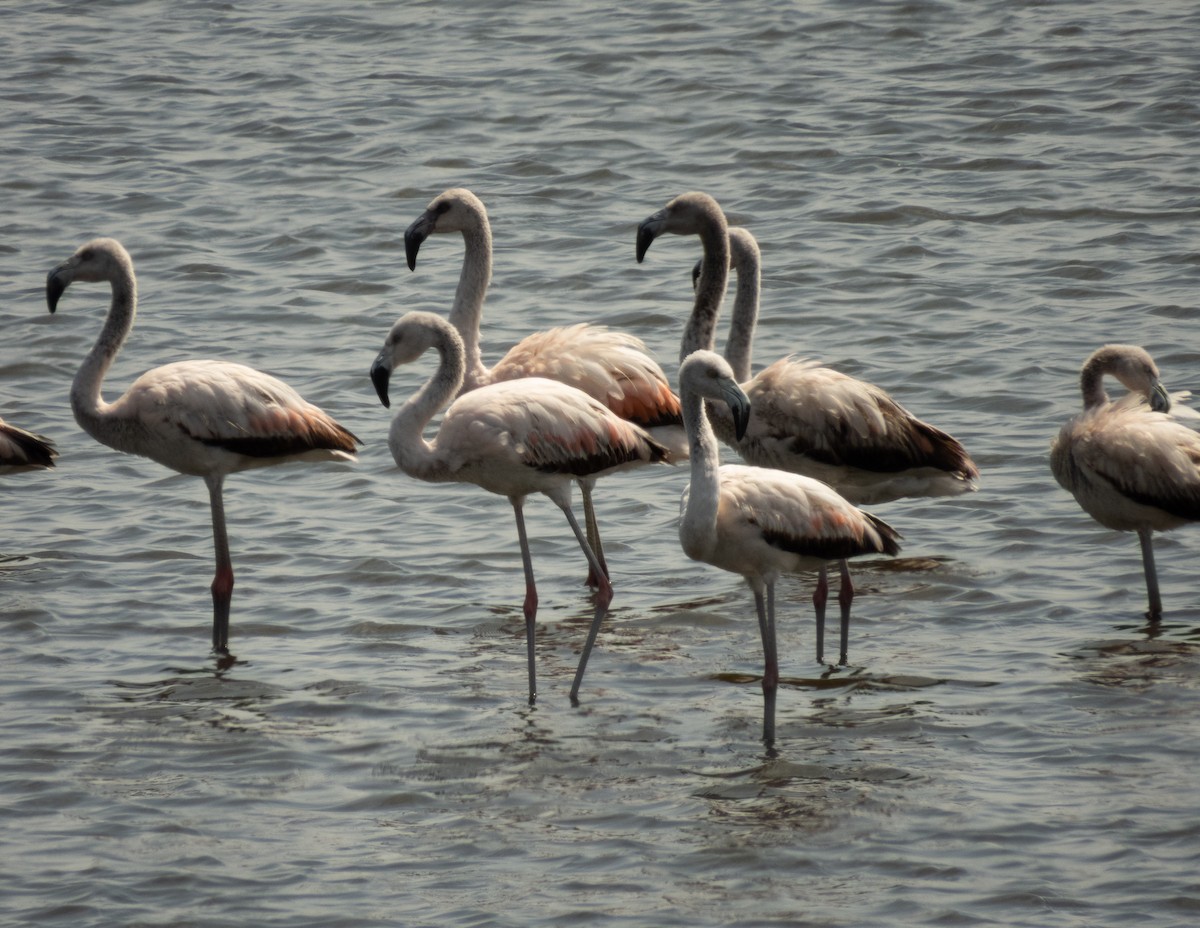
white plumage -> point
(611, 367)
(1129, 464)
(203, 418)
(21, 450)
(512, 438)
(758, 522)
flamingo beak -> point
(57, 282)
(739, 405)
(415, 234)
(381, 373)
(650, 229)
(1160, 400)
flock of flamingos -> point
(573, 404)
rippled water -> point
(955, 201)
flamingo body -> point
(202, 418)
(611, 367)
(762, 523)
(207, 417)
(1129, 465)
(812, 420)
(512, 438)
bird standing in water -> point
(204, 418)
(1129, 464)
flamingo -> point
(761, 522)
(511, 438)
(21, 450)
(805, 419)
(204, 418)
(1129, 465)
(612, 367)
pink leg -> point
(222, 585)
(531, 596)
(820, 597)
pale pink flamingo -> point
(1130, 465)
(204, 418)
(612, 367)
(21, 450)
(511, 438)
(757, 521)
(805, 419)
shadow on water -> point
(780, 793)
(1155, 652)
(210, 694)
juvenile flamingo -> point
(760, 522)
(512, 438)
(1132, 467)
(805, 419)
(21, 450)
(203, 418)
(611, 367)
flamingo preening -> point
(1129, 464)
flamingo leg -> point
(1145, 538)
(593, 531)
(770, 681)
(845, 598)
(222, 585)
(820, 597)
(531, 596)
(604, 595)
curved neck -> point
(416, 456)
(740, 344)
(1091, 381)
(467, 311)
(701, 329)
(86, 402)
(697, 525)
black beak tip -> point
(644, 238)
(414, 235)
(741, 419)
(54, 290)
(380, 376)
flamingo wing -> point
(233, 407)
(22, 450)
(799, 515)
(611, 367)
(804, 409)
(543, 425)
(1125, 450)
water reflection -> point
(781, 793)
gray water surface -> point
(955, 201)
